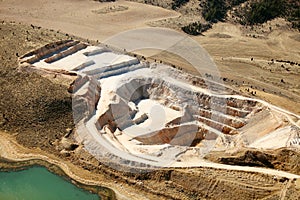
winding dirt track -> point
(10, 149)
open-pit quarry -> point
(138, 114)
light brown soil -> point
(282, 159)
(84, 22)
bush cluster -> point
(178, 3)
(264, 10)
(196, 28)
(214, 10)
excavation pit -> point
(152, 115)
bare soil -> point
(30, 104)
(281, 159)
(84, 22)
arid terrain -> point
(36, 116)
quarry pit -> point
(146, 115)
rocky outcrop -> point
(51, 48)
(117, 115)
(179, 135)
(99, 72)
(66, 53)
(85, 102)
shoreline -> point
(12, 166)
(10, 152)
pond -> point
(37, 183)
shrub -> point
(265, 10)
(294, 16)
(196, 28)
(178, 3)
(236, 2)
(214, 10)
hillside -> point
(197, 14)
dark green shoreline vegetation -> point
(11, 166)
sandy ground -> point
(64, 15)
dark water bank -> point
(37, 179)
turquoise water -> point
(37, 183)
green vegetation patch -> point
(215, 10)
(178, 3)
(265, 10)
(196, 28)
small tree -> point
(178, 3)
(196, 28)
(215, 10)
